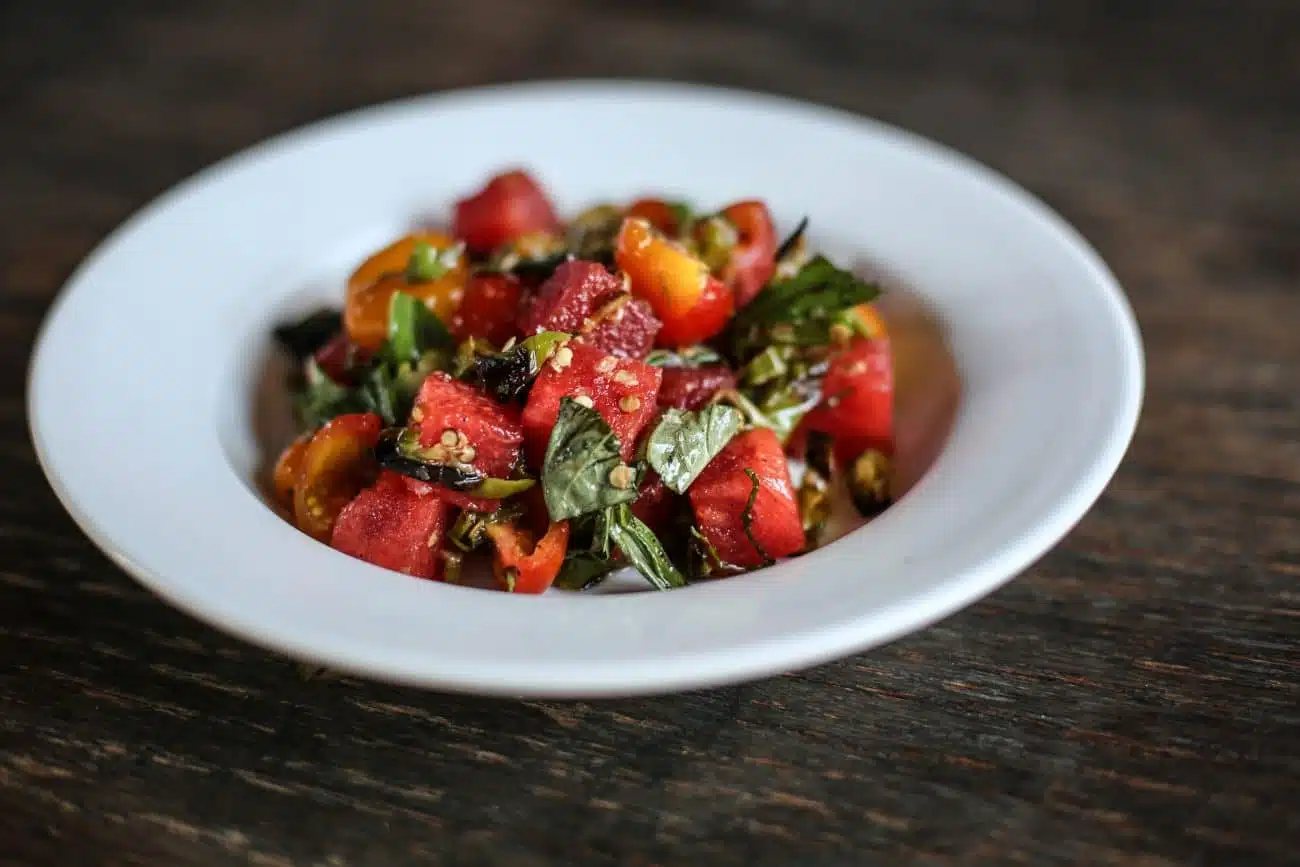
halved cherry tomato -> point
(692, 305)
(371, 288)
(857, 408)
(335, 466)
(285, 475)
(753, 259)
(522, 567)
(512, 204)
(657, 212)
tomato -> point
(720, 494)
(858, 398)
(872, 322)
(657, 212)
(336, 465)
(523, 567)
(488, 309)
(692, 305)
(371, 288)
(622, 390)
(339, 357)
(391, 526)
(285, 476)
(512, 204)
(753, 259)
(692, 387)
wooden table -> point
(1131, 700)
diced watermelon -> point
(390, 526)
(474, 429)
(622, 390)
(655, 503)
(719, 495)
(569, 296)
(628, 332)
(489, 308)
(459, 499)
(692, 387)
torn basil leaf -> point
(793, 241)
(581, 455)
(583, 570)
(684, 442)
(413, 330)
(399, 450)
(691, 356)
(507, 375)
(301, 339)
(643, 550)
(703, 560)
(747, 517)
(321, 398)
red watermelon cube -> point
(391, 526)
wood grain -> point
(1132, 700)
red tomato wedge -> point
(522, 566)
(720, 494)
(488, 309)
(857, 407)
(753, 260)
(692, 304)
(334, 467)
(512, 204)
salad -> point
(631, 388)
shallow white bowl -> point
(141, 387)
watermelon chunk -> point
(719, 495)
(585, 299)
(628, 331)
(622, 390)
(390, 526)
(692, 387)
(473, 427)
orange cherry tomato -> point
(394, 258)
(753, 259)
(692, 305)
(285, 476)
(872, 322)
(522, 567)
(335, 466)
(365, 310)
(657, 213)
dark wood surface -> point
(1132, 700)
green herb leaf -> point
(321, 398)
(591, 234)
(399, 450)
(799, 310)
(470, 529)
(427, 263)
(792, 241)
(582, 453)
(703, 560)
(684, 442)
(508, 375)
(583, 569)
(747, 517)
(691, 356)
(413, 330)
(302, 338)
(642, 548)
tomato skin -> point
(371, 288)
(535, 566)
(623, 393)
(692, 387)
(510, 205)
(718, 498)
(657, 213)
(285, 475)
(753, 260)
(389, 525)
(690, 302)
(858, 398)
(488, 308)
(335, 466)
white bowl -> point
(141, 388)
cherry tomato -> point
(522, 567)
(753, 259)
(371, 288)
(489, 308)
(692, 305)
(339, 357)
(858, 398)
(335, 466)
(657, 212)
(512, 204)
(285, 475)
(394, 258)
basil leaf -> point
(691, 356)
(399, 450)
(583, 569)
(684, 442)
(428, 263)
(413, 330)
(641, 547)
(302, 338)
(580, 456)
(508, 374)
(747, 517)
(321, 398)
(703, 560)
(799, 310)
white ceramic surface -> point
(140, 393)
